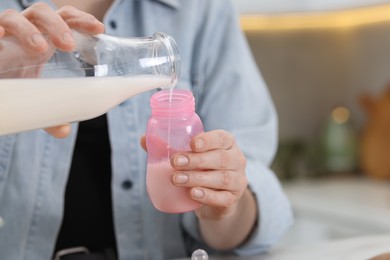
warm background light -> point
(316, 20)
(340, 115)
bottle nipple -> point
(199, 254)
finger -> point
(13, 23)
(217, 139)
(59, 131)
(211, 160)
(142, 142)
(213, 198)
(81, 21)
(48, 21)
(2, 32)
(217, 180)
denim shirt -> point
(218, 68)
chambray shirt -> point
(230, 94)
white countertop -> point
(359, 248)
(345, 249)
(336, 219)
(359, 201)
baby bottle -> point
(171, 127)
(100, 73)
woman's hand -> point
(38, 24)
(31, 37)
(214, 173)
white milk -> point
(27, 104)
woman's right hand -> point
(31, 37)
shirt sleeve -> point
(232, 95)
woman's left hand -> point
(214, 172)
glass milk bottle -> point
(100, 73)
(171, 127)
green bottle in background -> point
(339, 143)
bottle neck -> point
(166, 49)
(175, 103)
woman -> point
(83, 186)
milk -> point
(27, 104)
(164, 195)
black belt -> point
(82, 253)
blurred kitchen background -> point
(327, 66)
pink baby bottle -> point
(170, 129)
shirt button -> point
(1, 222)
(127, 184)
(113, 24)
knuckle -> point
(199, 178)
(40, 5)
(227, 178)
(227, 202)
(224, 138)
(36, 7)
(67, 10)
(33, 11)
(10, 21)
(224, 159)
(197, 160)
(244, 182)
(8, 12)
(242, 160)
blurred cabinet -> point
(311, 71)
(337, 208)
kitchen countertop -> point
(360, 200)
(358, 248)
(365, 247)
(328, 209)
(336, 218)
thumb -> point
(61, 131)
(142, 142)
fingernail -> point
(197, 193)
(199, 143)
(67, 37)
(181, 160)
(37, 39)
(180, 178)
